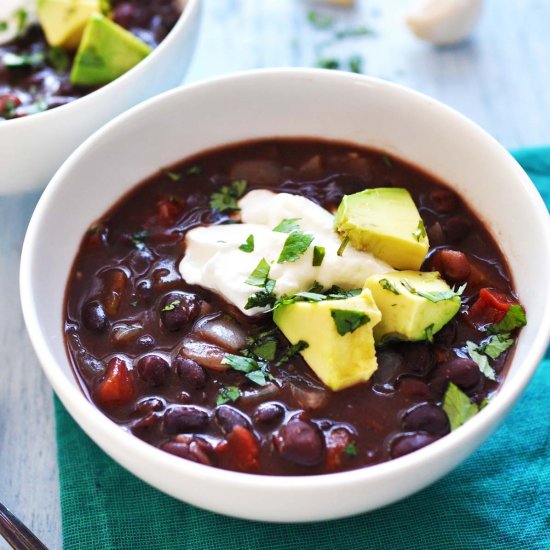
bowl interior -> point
(287, 103)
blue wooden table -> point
(500, 78)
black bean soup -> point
(40, 80)
(128, 312)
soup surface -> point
(129, 318)
(35, 77)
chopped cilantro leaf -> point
(266, 350)
(342, 246)
(138, 238)
(458, 406)
(347, 320)
(311, 296)
(261, 298)
(225, 200)
(362, 30)
(514, 318)
(22, 16)
(258, 377)
(259, 276)
(356, 64)
(295, 246)
(291, 352)
(58, 58)
(318, 255)
(13, 60)
(174, 176)
(288, 225)
(319, 20)
(338, 293)
(227, 393)
(195, 170)
(248, 245)
(482, 361)
(3, 26)
(420, 232)
(386, 285)
(350, 449)
(171, 306)
(436, 295)
(327, 63)
(255, 370)
(496, 345)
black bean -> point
(185, 418)
(178, 310)
(269, 413)
(146, 342)
(301, 443)
(464, 373)
(408, 443)
(390, 366)
(228, 417)
(149, 405)
(89, 365)
(426, 418)
(94, 316)
(417, 357)
(191, 374)
(190, 447)
(453, 265)
(153, 370)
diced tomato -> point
(240, 451)
(118, 387)
(337, 441)
(490, 307)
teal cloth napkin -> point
(498, 499)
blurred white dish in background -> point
(15, 17)
(444, 22)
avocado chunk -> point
(386, 223)
(339, 334)
(414, 304)
(106, 52)
(63, 21)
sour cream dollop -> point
(214, 260)
(16, 16)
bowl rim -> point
(78, 405)
(82, 102)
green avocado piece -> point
(386, 223)
(106, 52)
(414, 304)
(63, 21)
(339, 334)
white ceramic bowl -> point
(286, 102)
(34, 147)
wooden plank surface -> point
(500, 78)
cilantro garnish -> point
(355, 64)
(514, 318)
(328, 63)
(342, 246)
(13, 60)
(318, 255)
(319, 20)
(266, 350)
(22, 16)
(362, 30)
(195, 170)
(255, 370)
(225, 200)
(350, 449)
(248, 245)
(262, 298)
(458, 406)
(436, 295)
(228, 393)
(174, 176)
(386, 285)
(288, 225)
(347, 320)
(3, 26)
(295, 246)
(138, 238)
(497, 344)
(338, 293)
(420, 232)
(291, 352)
(260, 274)
(481, 359)
(171, 306)
(58, 58)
